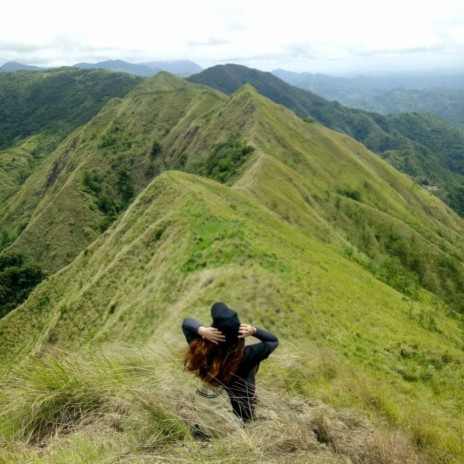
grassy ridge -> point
(330, 186)
(82, 187)
(187, 240)
(167, 122)
(38, 110)
(353, 265)
(422, 146)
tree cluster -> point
(17, 279)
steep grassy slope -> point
(82, 186)
(403, 141)
(37, 111)
(352, 193)
(322, 182)
(186, 241)
(337, 191)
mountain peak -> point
(246, 95)
(247, 88)
(162, 81)
(179, 67)
(11, 66)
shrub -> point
(92, 181)
(155, 149)
(110, 200)
(17, 279)
(456, 199)
(124, 185)
(393, 273)
(226, 159)
(353, 194)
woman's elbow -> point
(274, 345)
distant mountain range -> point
(440, 94)
(179, 67)
(370, 83)
(120, 66)
(437, 93)
(12, 66)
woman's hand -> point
(212, 334)
(246, 330)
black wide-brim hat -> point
(226, 320)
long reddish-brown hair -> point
(214, 364)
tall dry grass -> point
(135, 406)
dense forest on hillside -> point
(448, 104)
(55, 102)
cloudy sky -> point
(329, 36)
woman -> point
(218, 355)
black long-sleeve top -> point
(242, 388)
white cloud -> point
(290, 34)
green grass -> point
(54, 215)
(55, 101)
(367, 349)
(81, 396)
(313, 169)
(135, 406)
(285, 242)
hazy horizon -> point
(334, 37)
(347, 73)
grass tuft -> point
(157, 425)
(54, 395)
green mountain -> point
(406, 146)
(37, 112)
(448, 104)
(90, 168)
(55, 101)
(178, 67)
(15, 66)
(356, 267)
(440, 94)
